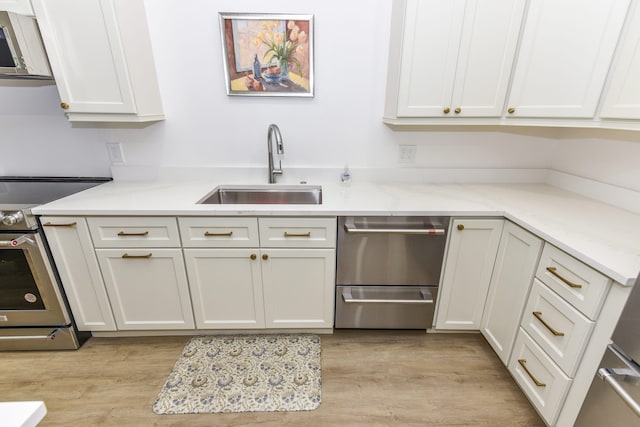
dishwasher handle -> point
(351, 228)
(609, 376)
(348, 298)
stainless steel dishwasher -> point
(388, 271)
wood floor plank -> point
(369, 378)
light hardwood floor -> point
(372, 378)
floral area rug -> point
(248, 373)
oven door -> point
(28, 294)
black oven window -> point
(18, 289)
(6, 58)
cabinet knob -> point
(253, 256)
(64, 105)
(458, 110)
(265, 257)
(460, 227)
(511, 110)
(446, 110)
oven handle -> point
(51, 336)
(349, 228)
(426, 298)
(17, 242)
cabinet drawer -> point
(219, 232)
(297, 232)
(134, 232)
(557, 327)
(541, 380)
(579, 284)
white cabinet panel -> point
(456, 57)
(579, 284)
(299, 287)
(513, 273)
(76, 262)
(539, 378)
(558, 328)
(148, 288)
(623, 98)
(297, 232)
(226, 288)
(22, 7)
(565, 54)
(101, 57)
(134, 232)
(471, 254)
(216, 232)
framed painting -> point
(267, 54)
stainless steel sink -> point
(264, 195)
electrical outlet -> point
(407, 153)
(115, 152)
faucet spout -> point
(274, 135)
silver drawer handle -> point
(609, 377)
(348, 298)
(51, 336)
(429, 231)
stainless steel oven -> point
(33, 310)
(388, 271)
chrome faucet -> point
(274, 132)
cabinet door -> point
(147, 287)
(513, 273)
(429, 53)
(487, 48)
(299, 287)
(472, 250)
(565, 54)
(623, 98)
(76, 262)
(101, 57)
(226, 288)
(457, 57)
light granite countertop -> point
(601, 235)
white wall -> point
(342, 123)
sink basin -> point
(264, 195)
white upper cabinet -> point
(455, 57)
(622, 101)
(565, 53)
(101, 57)
(22, 7)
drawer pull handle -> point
(68, 224)
(553, 271)
(229, 234)
(122, 234)
(253, 256)
(307, 234)
(137, 256)
(538, 315)
(523, 363)
(265, 257)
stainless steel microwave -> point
(22, 53)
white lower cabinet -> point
(513, 272)
(147, 288)
(283, 277)
(469, 261)
(299, 287)
(226, 288)
(75, 259)
(540, 379)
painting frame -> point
(268, 54)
